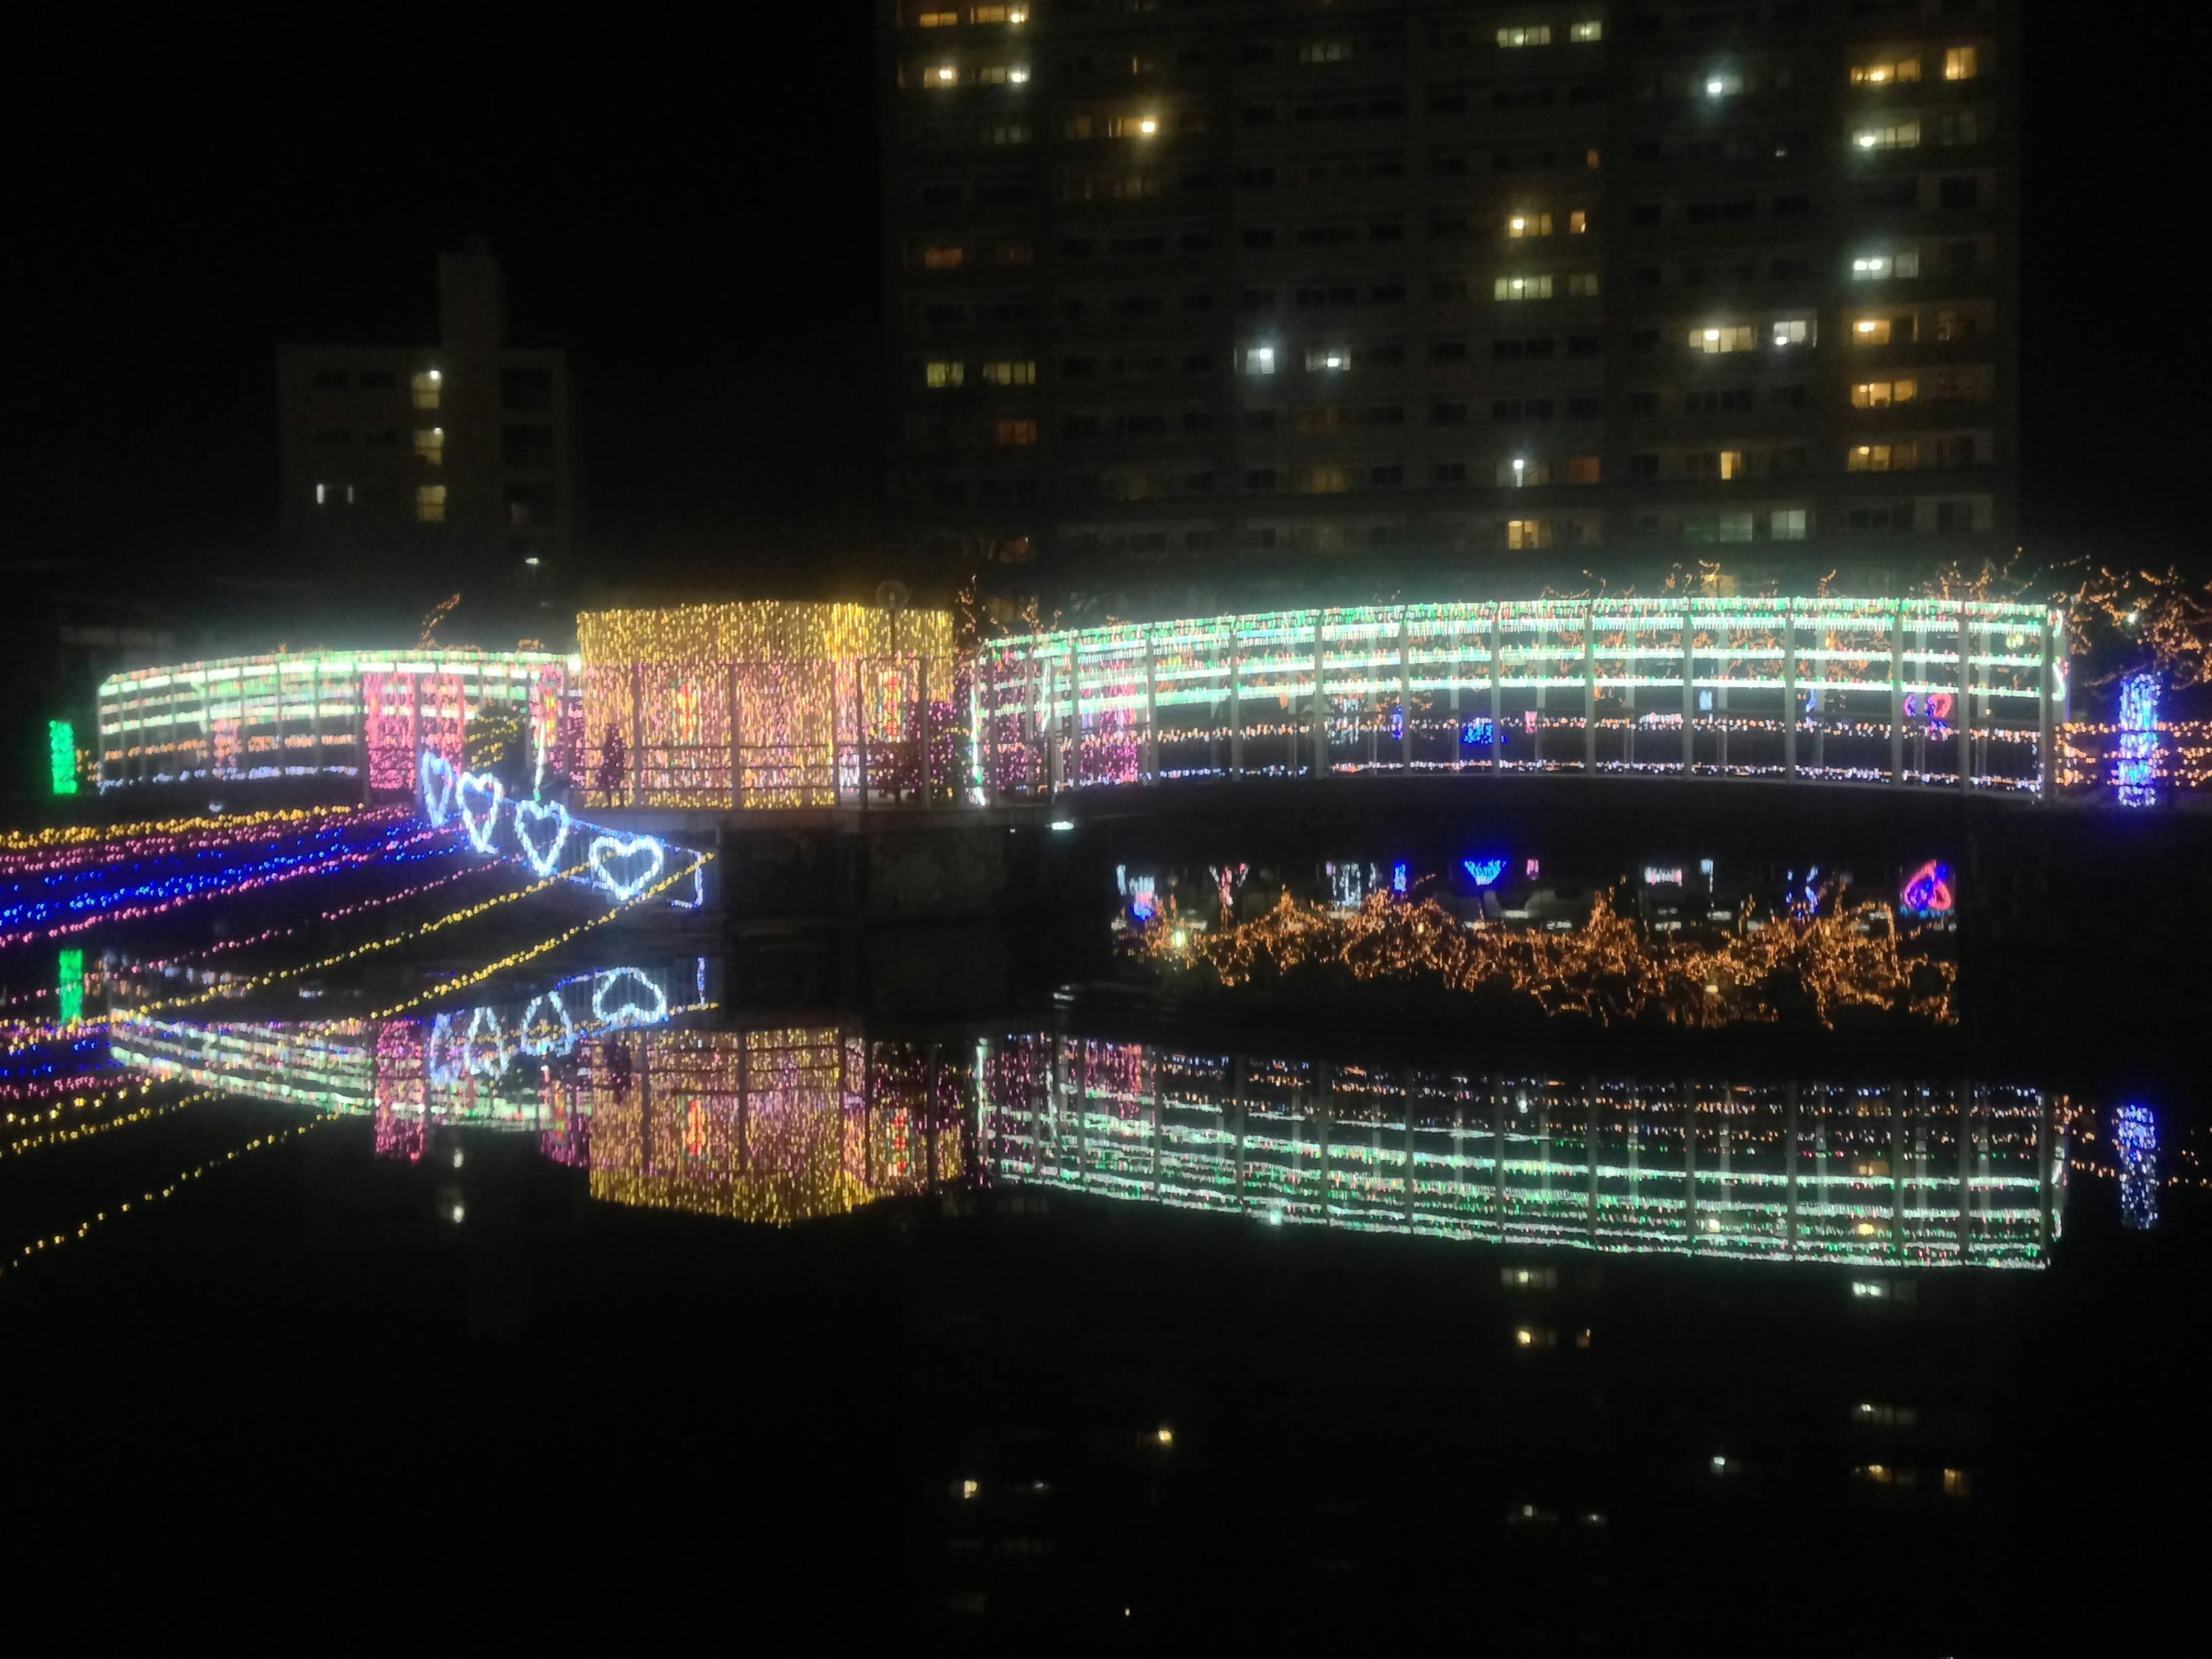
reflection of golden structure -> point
(773, 1126)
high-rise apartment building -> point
(457, 459)
(1265, 294)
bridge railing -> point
(1963, 693)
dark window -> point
(1197, 420)
(1386, 476)
(1447, 351)
(1644, 339)
(1644, 213)
(1581, 345)
(1259, 420)
(1449, 473)
(1259, 236)
(330, 379)
(1643, 403)
(383, 438)
(524, 390)
(333, 437)
(1644, 465)
(1583, 408)
(378, 380)
(530, 503)
(1959, 192)
(1792, 207)
(1954, 518)
(526, 446)
(1448, 414)
(1260, 478)
(1197, 362)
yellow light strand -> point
(62, 1137)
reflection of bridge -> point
(1962, 692)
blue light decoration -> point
(1397, 877)
(1144, 901)
(1397, 720)
(2135, 764)
(2134, 1138)
(1927, 890)
(1478, 733)
(1483, 872)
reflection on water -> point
(784, 1124)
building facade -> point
(453, 459)
(1247, 297)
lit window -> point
(430, 444)
(1959, 63)
(1792, 330)
(1881, 394)
(430, 503)
(426, 386)
(1528, 532)
(944, 75)
(1523, 287)
(1007, 132)
(1711, 341)
(1539, 1278)
(1880, 74)
(991, 75)
(1013, 435)
(1019, 372)
(1879, 267)
(1259, 360)
(941, 375)
(322, 495)
(1577, 222)
(1592, 30)
(1540, 36)
(942, 257)
(1880, 457)
(986, 15)
(1324, 51)
(936, 20)
(1727, 84)
(1534, 1336)
(1018, 73)
(1582, 285)
(1133, 126)
(1581, 469)
(1958, 1483)
(1870, 1290)
(1786, 524)
(1328, 359)
(1900, 135)
(1590, 158)
(1321, 480)
(1529, 224)
(1871, 330)
(1731, 464)
(1018, 13)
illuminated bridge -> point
(1964, 693)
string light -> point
(63, 1136)
(2135, 766)
(176, 1183)
(1607, 968)
(796, 697)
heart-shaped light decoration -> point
(627, 1012)
(436, 775)
(529, 812)
(532, 1043)
(607, 849)
(480, 831)
(494, 1066)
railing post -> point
(1965, 696)
(1689, 689)
(737, 745)
(1150, 764)
(1496, 695)
(636, 734)
(1319, 706)
(1897, 696)
(1405, 697)
(2046, 761)
(1236, 700)
(1589, 691)
(859, 723)
(1789, 690)
(1048, 726)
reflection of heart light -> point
(498, 1067)
(1485, 871)
(628, 1013)
(481, 833)
(541, 811)
(437, 804)
(625, 847)
(444, 1073)
(531, 1044)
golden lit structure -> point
(770, 704)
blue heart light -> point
(437, 803)
(479, 832)
(543, 863)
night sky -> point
(694, 218)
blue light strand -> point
(2135, 1137)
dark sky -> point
(694, 215)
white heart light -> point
(546, 863)
(495, 1067)
(532, 1045)
(480, 833)
(444, 1072)
(434, 769)
(628, 1013)
(626, 847)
